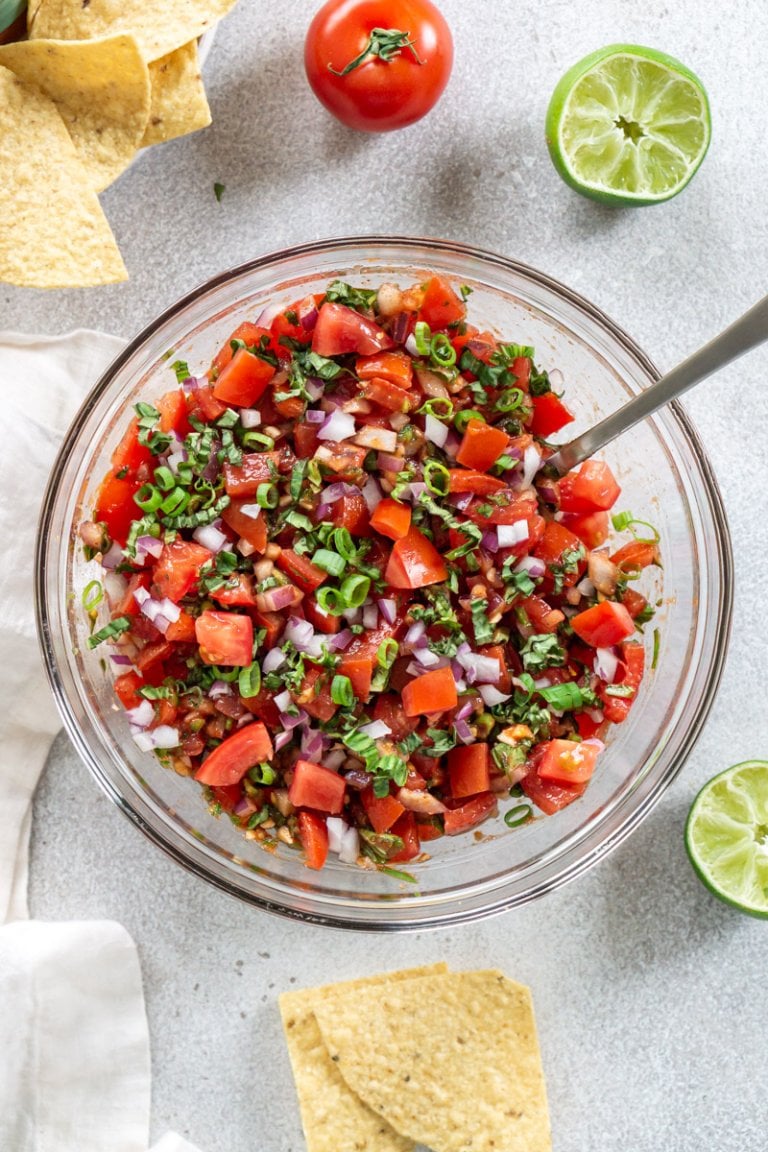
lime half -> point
(727, 836)
(628, 126)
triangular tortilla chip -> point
(179, 104)
(53, 233)
(101, 89)
(333, 1117)
(450, 1061)
(160, 27)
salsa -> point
(345, 595)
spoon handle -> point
(745, 333)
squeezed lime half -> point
(628, 125)
(726, 836)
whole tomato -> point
(377, 65)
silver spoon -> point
(745, 333)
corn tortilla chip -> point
(450, 1061)
(53, 233)
(178, 103)
(101, 89)
(160, 26)
(333, 1117)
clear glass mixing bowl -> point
(666, 479)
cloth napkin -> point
(74, 1069)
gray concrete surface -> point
(651, 997)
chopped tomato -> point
(237, 592)
(205, 406)
(616, 708)
(115, 506)
(359, 669)
(550, 795)
(251, 335)
(300, 570)
(468, 814)
(563, 553)
(430, 692)
(414, 562)
(288, 324)
(173, 413)
(481, 446)
(603, 625)
(407, 830)
(178, 567)
(314, 786)
(127, 689)
(387, 395)
(389, 708)
(340, 329)
(231, 759)
(153, 656)
(567, 762)
(130, 455)
(343, 459)
(634, 602)
(228, 796)
(257, 468)
(549, 415)
(242, 381)
(263, 705)
(440, 305)
(351, 512)
(315, 695)
(246, 518)
(313, 833)
(182, 631)
(463, 480)
(225, 638)
(469, 770)
(321, 621)
(592, 489)
(391, 519)
(543, 617)
(396, 367)
(382, 811)
(636, 555)
(305, 439)
(592, 528)
(272, 623)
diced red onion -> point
(370, 617)
(245, 807)
(340, 641)
(414, 669)
(315, 387)
(290, 722)
(334, 759)
(401, 322)
(339, 426)
(352, 615)
(278, 598)
(281, 739)
(268, 314)
(532, 565)
(415, 490)
(161, 737)
(542, 682)
(112, 557)
(372, 494)
(549, 491)
(531, 465)
(299, 632)
(462, 501)
(315, 416)
(244, 720)
(336, 829)
(593, 740)
(148, 546)
(435, 430)
(511, 534)
(378, 439)
(464, 732)
(120, 660)
(585, 587)
(490, 541)
(491, 696)
(465, 711)
(452, 443)
(306, 310)
(176, 458)
(357, 778)
(606, 664)
(273, 660)
(388, 609)
(415, 637)
(411, 347)
(283, 701)
(210, 537)
(480, 669)
(350, 846)
(142, 715)
(250, 417)
(419, 800)
(398, 420)
(377, 729)
(219, 688)
(312, 744)
(191, 384)
(389, 463)
(596, 715)
(115, 587)
(426, 658)
(252, 511)
(336, 491)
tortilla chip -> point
(53, 233)
(450, 1061)
(333, 1117)
(160, 27)
(178, 103)
(101, 89)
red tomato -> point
(469, 770)
(359, 670)
(471, 812)
(340, 329)
(616, 708)
(567, 761)
(173, 413)
(256, 468)
(313, 833)
(316, 686)
(391, 519)
(242, 381)
(351, 512)
(592, 489)
(389, 708)
(382, 811)
(230, 761)
(127, 689)
(237, 592)
(396, 367)
(408, 832)
(225, 638)
(387, 395)
(130, 454)
(549, 415)
(592, 528)
(464, 480)
(549, 795)
(177, 568)
(431, 692)
(251, 528)
(414, 562)
(482, 445)
(316, 787)
(635, 555)
(556, 542)
(300, 570)
(116, 507)
(361, 81)
(603, 625)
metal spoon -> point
(744, 334)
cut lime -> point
(726, 836)
(628, 125)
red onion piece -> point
(312, 744)
(279, 598)
(531, 465)
(142, 715)
(148, 546)
(370, 617)
(112, 557)
(606, 664)
(250, 417)
(464, 732)
(452, 443)
(336, 829)
(315, 387)
(435, 430)
(388, 609)
(336, 491)
(334, 759)
(357, 778)
(340, 641)
(490, 541)
(416, 636)
(245, 807)
(399, 327)
(281, 739)
(290, 722)
(268, 314)
(377, 729)
(284, 700)
(339, 426)
(272, 661)
(462, 502)
(121, 661)
(481, 669)
(161, 737)
(306, 310)
(372, 494)
(465, 711)
(219, 688)
(389, 463)
(315, 416)
(210, 538)
(350, 846)
(491, 696)
(415, 489)
(377, 439)
(532, 565)
(511, 534)
(426, 658)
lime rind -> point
(726, 836)
(628, 125)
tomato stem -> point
(386, 43)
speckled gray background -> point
(651, 997)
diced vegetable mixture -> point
(344, 594)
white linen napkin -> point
(74, 1042)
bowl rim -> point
(498, 902)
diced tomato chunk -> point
(246, 518)
(116, 507)
(231, 759)
(431, 692)
(407, 829)
(469, 770)
(549, 415)
(635, 555)
(314, 786)
(382, 811)
(592, 489)
(243, 380)
(464, 480)
(178, 567)
(351, 512)
(481, 446)
(567, 761)
(387, 395)
(396, 367)
(173, 413)
(604, 624)
(440, 305)
(389, 708)
(301, 571)
(550, 795)
(563, 553)
(182, 631)
(592, 528)
(316, 696)
(391, 519)
(340, 329)
(414, 562)
(257, 468)
(127, 689)
(237, 592)
(225, 638)
(359, 669)
(130, 455)
(313, 833)
(616, 708)
(468, 814)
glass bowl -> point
(666, 479)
